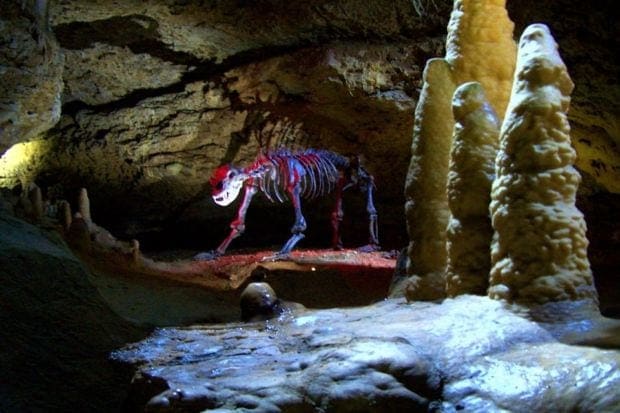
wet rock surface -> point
(469, 353)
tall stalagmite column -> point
(479, 47)
(472, 169)
(539, 247)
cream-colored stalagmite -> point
(480, 48)
(36, 201)
(472, 168)
(84, 205)
(539, 246)
(426, 202)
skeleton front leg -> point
(237, 226)
(300, 222)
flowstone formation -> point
(472, 169)
(479, 47)
(468, 354)
(539, 250)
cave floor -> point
(465, 354)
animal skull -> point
(227, 182)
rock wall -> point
(31, 67)
(156, 94)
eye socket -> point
(219, 186)
(232, 174)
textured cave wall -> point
(157, 95)
(31, 67)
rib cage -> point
(318, 172)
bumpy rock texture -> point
(539, 249)
(31, 67)
(472, 170)
(479, 47)
(469, 354)
(158, 94)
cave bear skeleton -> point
(308, 174)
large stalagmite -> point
(539, 250)
(472, 164)
(426, 204)
(479, 47)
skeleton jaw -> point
(229, 193)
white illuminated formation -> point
(472, 164)
(539, 250)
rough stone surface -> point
(57, 331)
(95, 75)
(480, 47)
(167, 145)
(426, 207)
(31, 65)
(591, 58)
(120, 55)
(469, 353)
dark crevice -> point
(205, 70)
(138, 33)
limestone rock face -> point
(539, 250)
(31, 66)
(95, 76)
(472, 169)
(166, 146)
(469, 353)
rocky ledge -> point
(469, 353)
